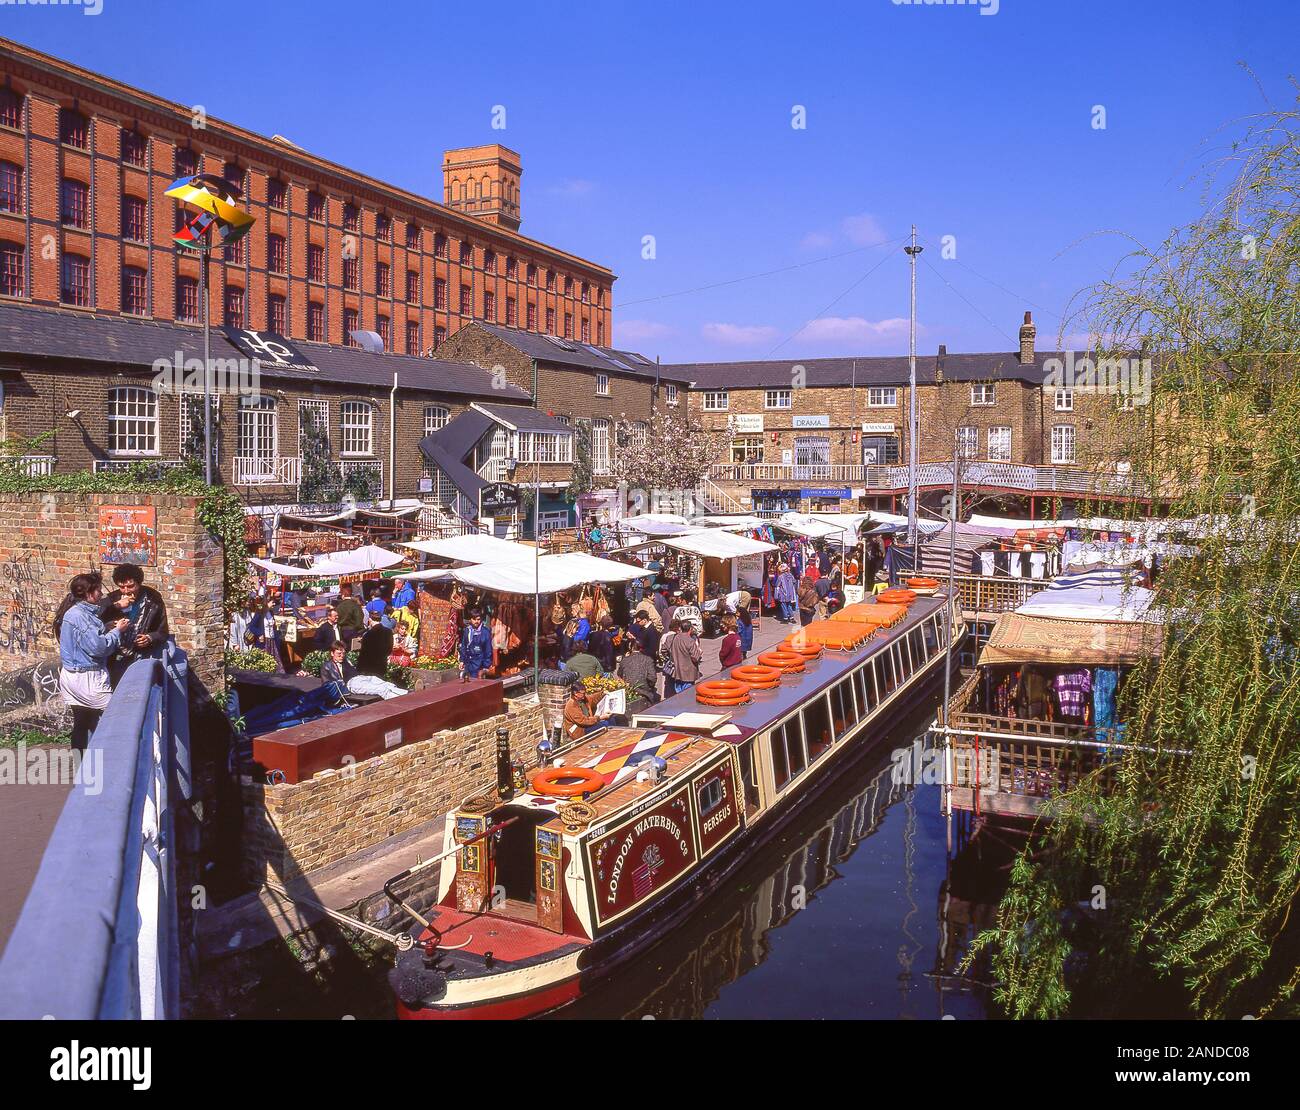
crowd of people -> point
(100, 635)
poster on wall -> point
(749, 572)
(128, 534)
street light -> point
(216, 217)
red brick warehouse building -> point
(84, 224)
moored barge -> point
(539, 895)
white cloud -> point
(738, 335)
(863, 230)
(640, 331)
(855, 329)
(816, 240)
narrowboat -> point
(542, 892)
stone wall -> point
(293, 829)
(46, 538)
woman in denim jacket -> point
(84, 650)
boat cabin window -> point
(901, 669)
(780, 765)
(866, 687)
(888, 676)
(817, 727)
(931, 631)
(747, 776)
(710, 796)
(916, 641)
(843, 711)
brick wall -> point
(49, 537)
(293, 829)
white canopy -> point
(655, 524)
(475, 548)
(335, 563)
(548, 574)
(1099, 596)
(718, 543)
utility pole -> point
(912, 251)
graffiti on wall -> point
(23, 611)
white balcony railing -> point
(121, 466)
(268, 470)
(35, 466)
(1038, 479)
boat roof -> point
(768, 706)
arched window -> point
(356, 428)
(132, 421)
(435, 417)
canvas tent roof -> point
(547, 574)
(369, 557)
(474, 548)
(1021, 638)
(1094, 596)
(717, 543)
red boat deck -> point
(507, 940)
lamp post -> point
(216, 216)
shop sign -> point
(879, 428)
(829, 494)
(744, 422)
(812, 421)
(498, 499)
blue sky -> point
(673, 120)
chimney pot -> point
(1027, 335)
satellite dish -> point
(369, 341)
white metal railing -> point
(1046, 479)
(35, 466)
(271, 470)
(716, 498)
(121, 466)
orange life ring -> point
(721, 702)
(923, 583)
(808, 651)
(722, 688)
(758, 678)
(782, 660)
(896, 597)
(553, 781)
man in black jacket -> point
(143, 606)
(376, 647)
(331, 631)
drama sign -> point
(272, 351)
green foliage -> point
(582, 479)
(29, 735)
(1196, 846)
(252, 659)
(220, 510)
(321, 477)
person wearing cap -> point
(475, 646)
(579, 712)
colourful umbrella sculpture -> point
(217, 216)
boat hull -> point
(550, 985)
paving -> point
(28, 813)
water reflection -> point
(835, 919)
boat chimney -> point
(505, 772)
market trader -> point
(475, 646)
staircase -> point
(715, 500)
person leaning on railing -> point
(84, 651)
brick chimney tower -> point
(1027, 334)
(483, 181)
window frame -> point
(351, 429)
(716, 400)
(147, 417)
(769, 394)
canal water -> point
(849, 914)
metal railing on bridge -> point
(99, 934)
